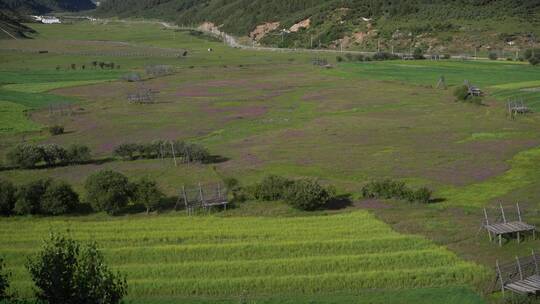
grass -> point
(276, 113)
(170, 256)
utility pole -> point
(311, 41)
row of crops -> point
(215, 256)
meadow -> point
(276, 113)
(250, 256)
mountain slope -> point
(46, 6)
(360, 22)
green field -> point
(277, 113)
(250, 256)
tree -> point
(77, 154)
(7, 197)
(126, 151)
(29, 197)
(53, 154)
(25, 156)
(4, 282)
(108, 191)
(307, 194)
(418, 54)
(65, 272)
(147, 193)
(272, 188)
(59, 198)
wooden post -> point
(535, 263)
(518, 212)
(500, 276)
(201, 196)
(519, 268)
(502, 213)
(500, 240)
(487, 224)
(174, 154)
(186, 202)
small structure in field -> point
(441, 84)
(203, 196)
(521, 277)
(516, 107)
(502, 227)
(142, 95)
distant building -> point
(50, 20)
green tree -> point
(108, 191)
(148, 194)
(461, 93)
(7, 197)
(59, 198)
(77, 154)
(29, 197)
(308, 194)
(272, 188)
(65, 272)
(126, 151)
(25, 155)
(53, 154)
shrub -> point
(132, 77)
(339, 58)
(66, 272)
(59, 198)
(446, 56)
(77, 154)
(108, 191)
(195, 153)
(349, 56)
(29, 197)
(56, 130)
(25, 156)
(418, 54)
(493, 56)
(389, 189)
(4, 282)
(7, 197)
(272, 188)
(359, 57)
(126, 151)
(307, 194)
(385, 189)
(461, 93)
(422, 195)
(147, 193)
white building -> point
(50, 20)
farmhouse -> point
(47, 20)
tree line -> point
(106, 190)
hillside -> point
(10, 24)
(353, 23)
(46, 6)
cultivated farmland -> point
(251, 256)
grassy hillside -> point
(397, 22)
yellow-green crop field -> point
(217, 256)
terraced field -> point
(215, 256)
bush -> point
(422, 195)
(389, 189)
(7, 197)
(384, 56)
(59, 198)
(4, 282)
(339, 58)
(446, 56)
(533, 56)
(272, 188)
(53, 154)
(418, 54)
(126, 151)
(66, 272)
(77, 154)
(385, 189)
(461, 93)
(56, 130)
(25, 156)
(29, 197)
(493, 56)
(147, 193)
(307, 194)
(108, 191)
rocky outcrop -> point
(261, 30)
